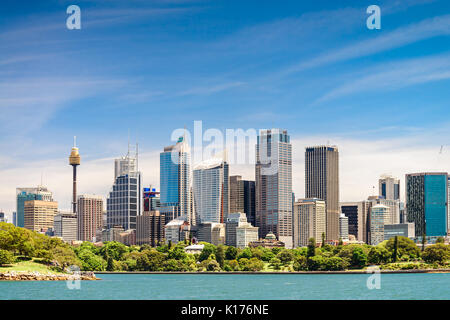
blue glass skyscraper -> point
(427, 202)
(175, 199)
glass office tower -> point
(273, 175)
(124, 202)
(175, 195)
(427, 202)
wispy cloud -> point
(429, 28)
(395, 75)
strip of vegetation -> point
(399, 253)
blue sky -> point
(149, 67)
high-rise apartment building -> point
(343, 227)
(150, 228)
(322, 181)
(236, 194)
(427, 203)
(378, 215)
(39, 215)
(65, 226)
(89, 216)
(389, 187)
(358, 218)
(394, 208)
(124, 203)
(242, 197)
(175, 196)
(211, 191)
(273, 173)
(309, 221)
(27, 194)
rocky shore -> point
(36, 276)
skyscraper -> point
(89, 216)
(211, 191)
(273, 173)
(125, 199)
(151, 199)
(358, 218)
(65, 226)
(39, 215)
(343, 227)
(150, 228)
(242, 197)
(236, 194)
(322, 181)
(74, 161)
(389, 187)
(309, 221)
(175, 196)
(426, 202)
(27, 194)
(378, 215)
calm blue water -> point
(237, 287)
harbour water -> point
(234, 287)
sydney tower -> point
(74, 161)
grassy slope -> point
(28, 266)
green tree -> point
(231, 253)
(311, 248)
(275, 263)
(220, 255)
(359, 258)
(395, 251)
(285, 256)
(378, 255)
(254, 264)
(334, 264)
(424, 240)
(300, 263)
(6, 257)
(208, 250)
(406, 248)
(110, 264)
(90, 261)
(316, 263)
(323, 239)
(113, 249)
(177, 253)
(232, 265)
(438, 252)
(440, 240)
(246, 253)
(267, 255)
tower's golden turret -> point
(74, 158)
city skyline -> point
(99, 168)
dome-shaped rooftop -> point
(270, 236)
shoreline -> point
(280, 272)
(36, 276)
